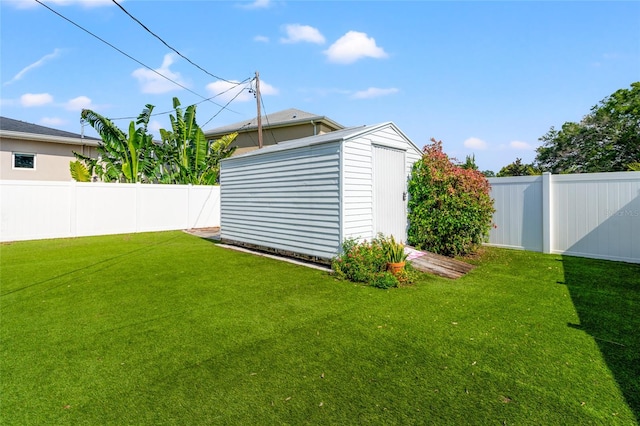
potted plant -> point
(396, 257)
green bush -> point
(366, 262)
(450, 208)
(359, 262)
(385, 280)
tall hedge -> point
(450, 208)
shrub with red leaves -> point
(450, 208)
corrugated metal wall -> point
(285, 200)
(306, 197)
(357, 189)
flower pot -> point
(395, 268)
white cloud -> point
(374, 92)
(52, 121)
(519, 145)
(475, 143)
(35, 99)
(297, 33)
(352, 46)
(226, 91)
(155, 126)
(257, 4)
(36, 64)
(261, 39)
(79, 103)
(153, 83)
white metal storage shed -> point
(304, 197)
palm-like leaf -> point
(79, 171)
(634, 167)
(128, 158)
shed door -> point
(390, 216)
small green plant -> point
(385, 280)
(394, 250)
(359, 262)
(366, 262)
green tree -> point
(489, 173)
(122, 157)
(518, 168)
(605, 140)
(470, 162)
(450, 208)
(186, 155)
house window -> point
(24, 161)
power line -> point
(216, 114)
(166, 44)
(197, 103)
(266, 116)
(133, 59)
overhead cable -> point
(166, 44)
(266, 116)
(224, 107)
(197, 103)
(134, 59)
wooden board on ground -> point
(436, 264)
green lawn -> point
(166, 328)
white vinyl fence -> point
(31, 210)
(590, 215)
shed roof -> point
(335, 136)
(287, 117)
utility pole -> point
(259, 113)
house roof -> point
(287, 117)
(23, 130)
(335, 136)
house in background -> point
(277, 127)
(32, 152)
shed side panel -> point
(358, 189)
(285, 200)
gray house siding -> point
(285, 200)
(305, 197)
(357, 189)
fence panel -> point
(591, 215)
(31, 210)
(518, 216)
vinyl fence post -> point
(547, 208)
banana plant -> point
(79, 172)
(187, 156)
(121, 157)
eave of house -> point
(317, 120)
(9, 134)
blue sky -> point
(486, 78)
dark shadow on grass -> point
(606, 296)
